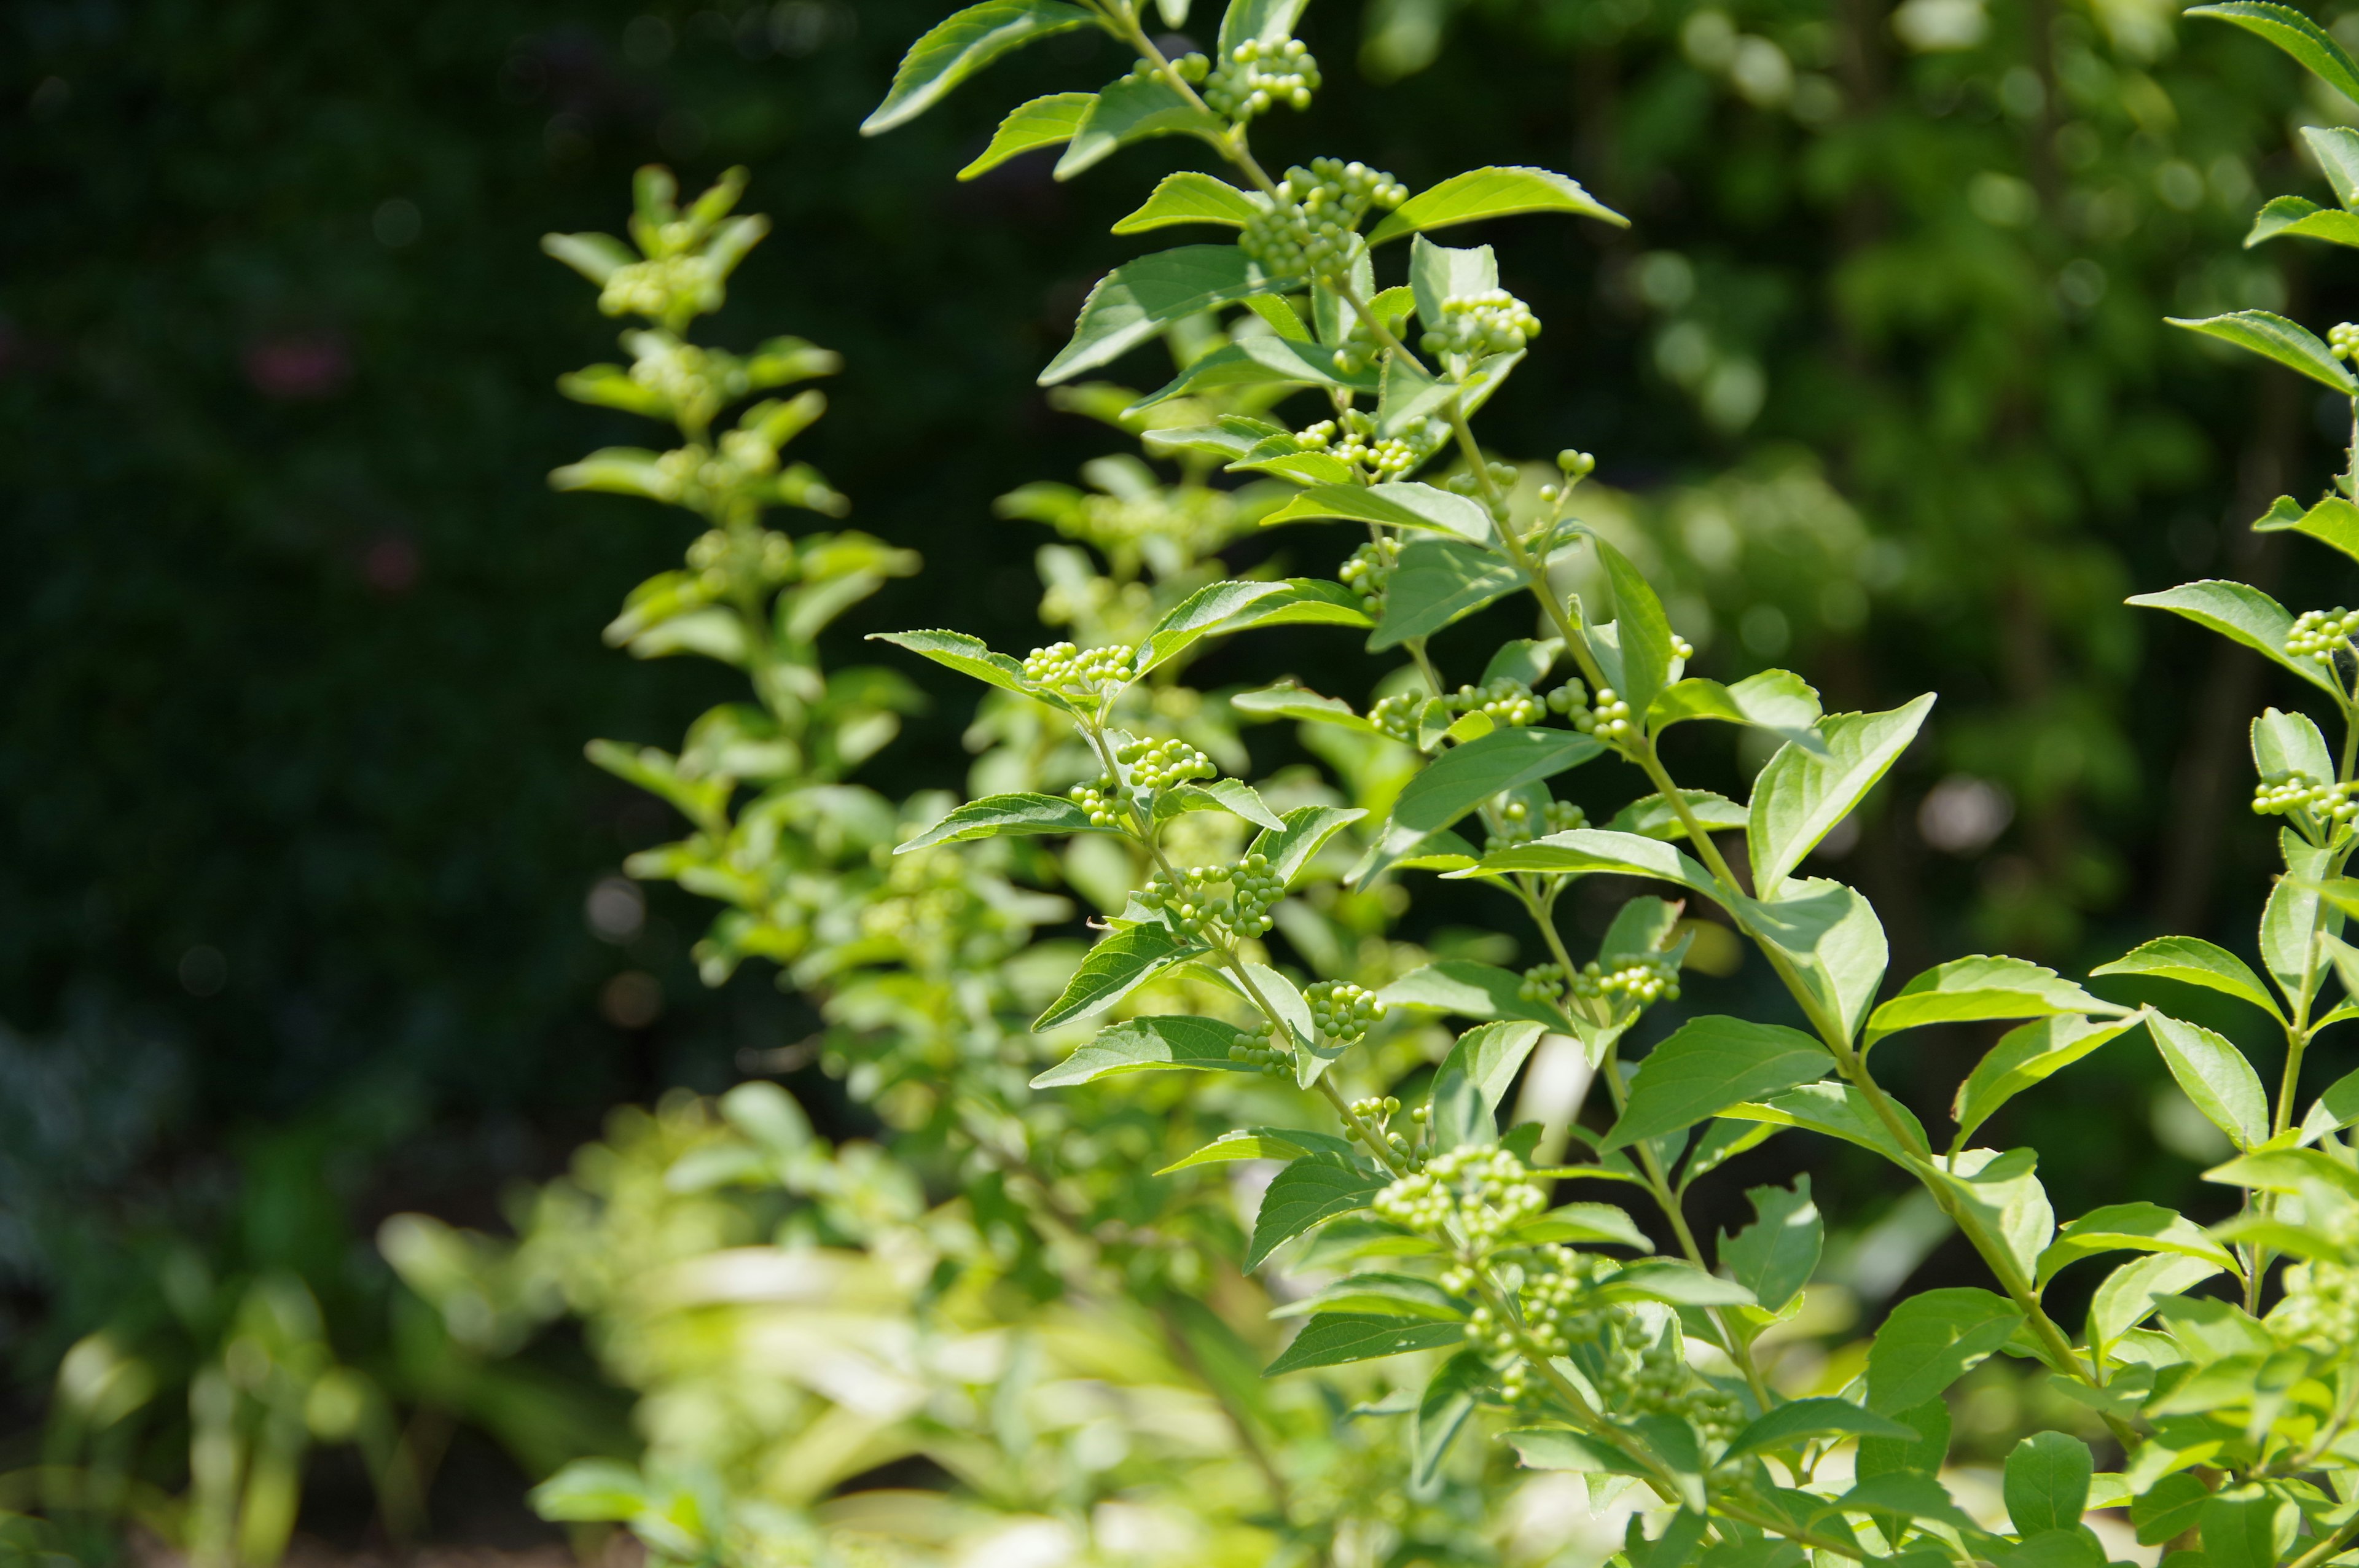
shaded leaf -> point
(963, 44)
(1931, 1340)
(1314, 1188)
(1114, 969)
(1149, 1044)
(1474, 1077)
(1339, 1337)
(1139, 299)
(1709, 1065)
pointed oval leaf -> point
(2215, 1075)
(2308, 43)
(1399, 505)
(1006, 814)
(1139, 299)
(1799, 1420)
(1468, 990)
(1471, 1080)
(1151, 1044)
(1436, 583)
(2291, 218)
(970, 656)
(1220, 608)
(1438, 272)
(963, 44)
(2025, 1057)
(2336, 147)
(1047, 122)
(1709, 1065)
(1496, 192)
(2130, 1227)
(1981, 987)
(2242, 614)
(2273, 337)
(2195, 962)
(1114, 969)
(1801, 796)
(1932, 1340)
(1313, 1189)
(1379, 1295)
(1191, 197)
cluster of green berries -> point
(720, 558)
(1159, 764)
(697, 476)
(1608, 718)
(1309, 229)
(2320, 1304)
(1471, 1197)
(1508, 702)
(1476, 326)
(1077, 672)
(1642, 981)
(1371, 1123)
(1357, 442)
(2342, 340)
(1185, 897)
(1503, 480)
(1254, 77)
(1100, 802)
(1368, 573)
(1570, 699)
(1397, 715)
(1575, 467)
(1554, 1318)
(1342, 1011)
(1274, 1055)
(1518, 825)
(2321, 634)
(664, 288)
(1652, 1377)
(2329, 804)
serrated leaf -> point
(1397, 504)
(1132, 109)
(1549, 1448)
(2287, 1171)
(2273, 337)
(2336, 147)
(1262, 1144)
(2336, 1110)
(2292, 923)
(1799, 1420)
(970, 656)
(958, 46)
(2130, 1292)
(1139, 299)
(2334, 522)
(1837, 1110)
(1908, 1493)
(1223, 608)
(1642, 631)
(1474, 1077)
(1307, 830)
(1584, 1224)
(1265, 359)
(2195, 962)
(1495, 192)
(1775, 1256)
(2027, 1056)
(2215, 1075)
(1190, 197)
(1314, 1188)
(1006, 814)
(1588, 851)
(2242, 614)
(1931, 1340)
(1707, 1065)
(1379, 1295)
(1652, 817)
(1801, 796)
(1114, 969)
(1468, 990)
(2003, 1193)
(2304, 39)
(1341, 1337)
(1437, 582)
(2130, 1227)
(1047, 122)
(1465, 777)
(2292, 218)
(2289, 742)
(1150, 1045)
(1287, 700)
(1979, 988)
(1672, 1281)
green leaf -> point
(2215, 1075)
(1775, 700)
(1190, 197)
(1925, 1448)
(1114, 969)
(2289, 1171)
(2290, 217)
(1792, 1424)
(1442, 1411)
(1709, 1065)
(1775, 1256)
(2025, 1057)
(2336, 1110)
(1584, 1224)
(1132, 109)
(2273, 337)
(2003, 1193)
(2289, 742)
(1474, 1077)
(1379, 1295)
(1468, 990)
(2318, 53)
(2336, 147)
(1287, 700)
(1465, 777)
(1837, 1110)
(963, 44)
(2333, 521)
(1220, 608)
(1482, 193)
(1280, 315)
(1258, 21)
(2169, 1507)
(1642, 631)
(1003, 814)
(1339, 1337)
(2195, 962)
(1801, 796)
(1150, 1045)
(1437, 272)
(1397, 504)
(1314, 1188)
(1831, 938)
(2292, 921)
(1549, 1448)
(1931, 1340)
(2242, 614)
(1262, 1144)
(1908, 1493)
(1674, 1281)
(2250, 1528)
(1265, 359)
(2130, 1292)
(1722, 1141)
(1436, 582)
(1978, 989)
(970, 656)
(1139, 299)
(1307, 830)
(1043, 122)
(2130, 1227)
(1241, 799)
(1586, 851)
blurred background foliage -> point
(307, 901)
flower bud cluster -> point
(666, 289)
(2342, 340)
(761, 558)
(1518, 826)
(1641, 981)
(1307, 231)
(1608, 718)
(2321, 634)
(1469, 1198)
(1254, 77)
(1356, 443)
(1342, 1011)
(1274, 1055)
(1187, 897)
(1652, 1377)
(1368, 573)
(1508, 702)
(1554, 1318)
(1159, 764)
(2320, 1305)
(1084, 673)
(1476, 326)
(695, 382)
(2329, 804)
